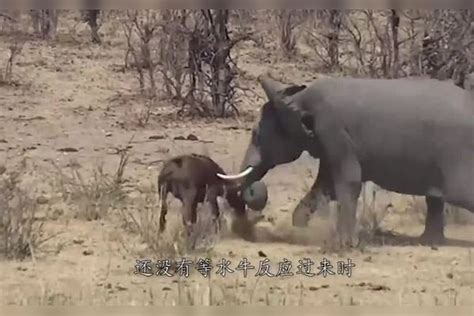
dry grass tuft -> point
(93, 196)
(141, 217)
(19, 232)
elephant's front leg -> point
(307, 205)
(347, 193)
(321, 192)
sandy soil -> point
(71, 94)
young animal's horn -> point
(236, 176)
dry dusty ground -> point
(71, 95)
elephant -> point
(410, 136)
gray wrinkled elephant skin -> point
(411, 136)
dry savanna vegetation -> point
(92, 102)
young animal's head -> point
(280, 136)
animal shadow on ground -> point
(390, 238)
(321, 234)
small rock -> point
(108, 286)
(434, 248)
(368, 259)
(166, 288)
(78, 241)
(42, 199)
(192, 137)
(325, 286)
(2, 170)
(449, 289)
(120, 287)
(313, 288)
(376, 287)
(156, 137)
(261, 254)
(108, 134)
(21, 268)
(449, 275)
(57, 213)
(163, 150)
(179, 138)
(3, 141)
(88, 252)
(68, 150)
(271, 220)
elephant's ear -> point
(272, 89)
(277, 94)
(286, 106)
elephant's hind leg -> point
(434, 224)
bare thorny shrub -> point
(448, 45)
(12, 33)
(288, 21)
(93, 196)
(142, 217)
(189, 54)
(91, 17)
(323, 35)
(20, 234)
(394, 43)
(45, 22)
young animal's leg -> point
(211, 197)
(434, 224)
(189, 198)
(164, 206)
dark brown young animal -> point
(193, 178)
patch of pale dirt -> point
(72, 97)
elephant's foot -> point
(341, 242)
(301, 216)
(432, 237)
(434, 225)
(244, 228)
(347, 241)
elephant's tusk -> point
(236, 176)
